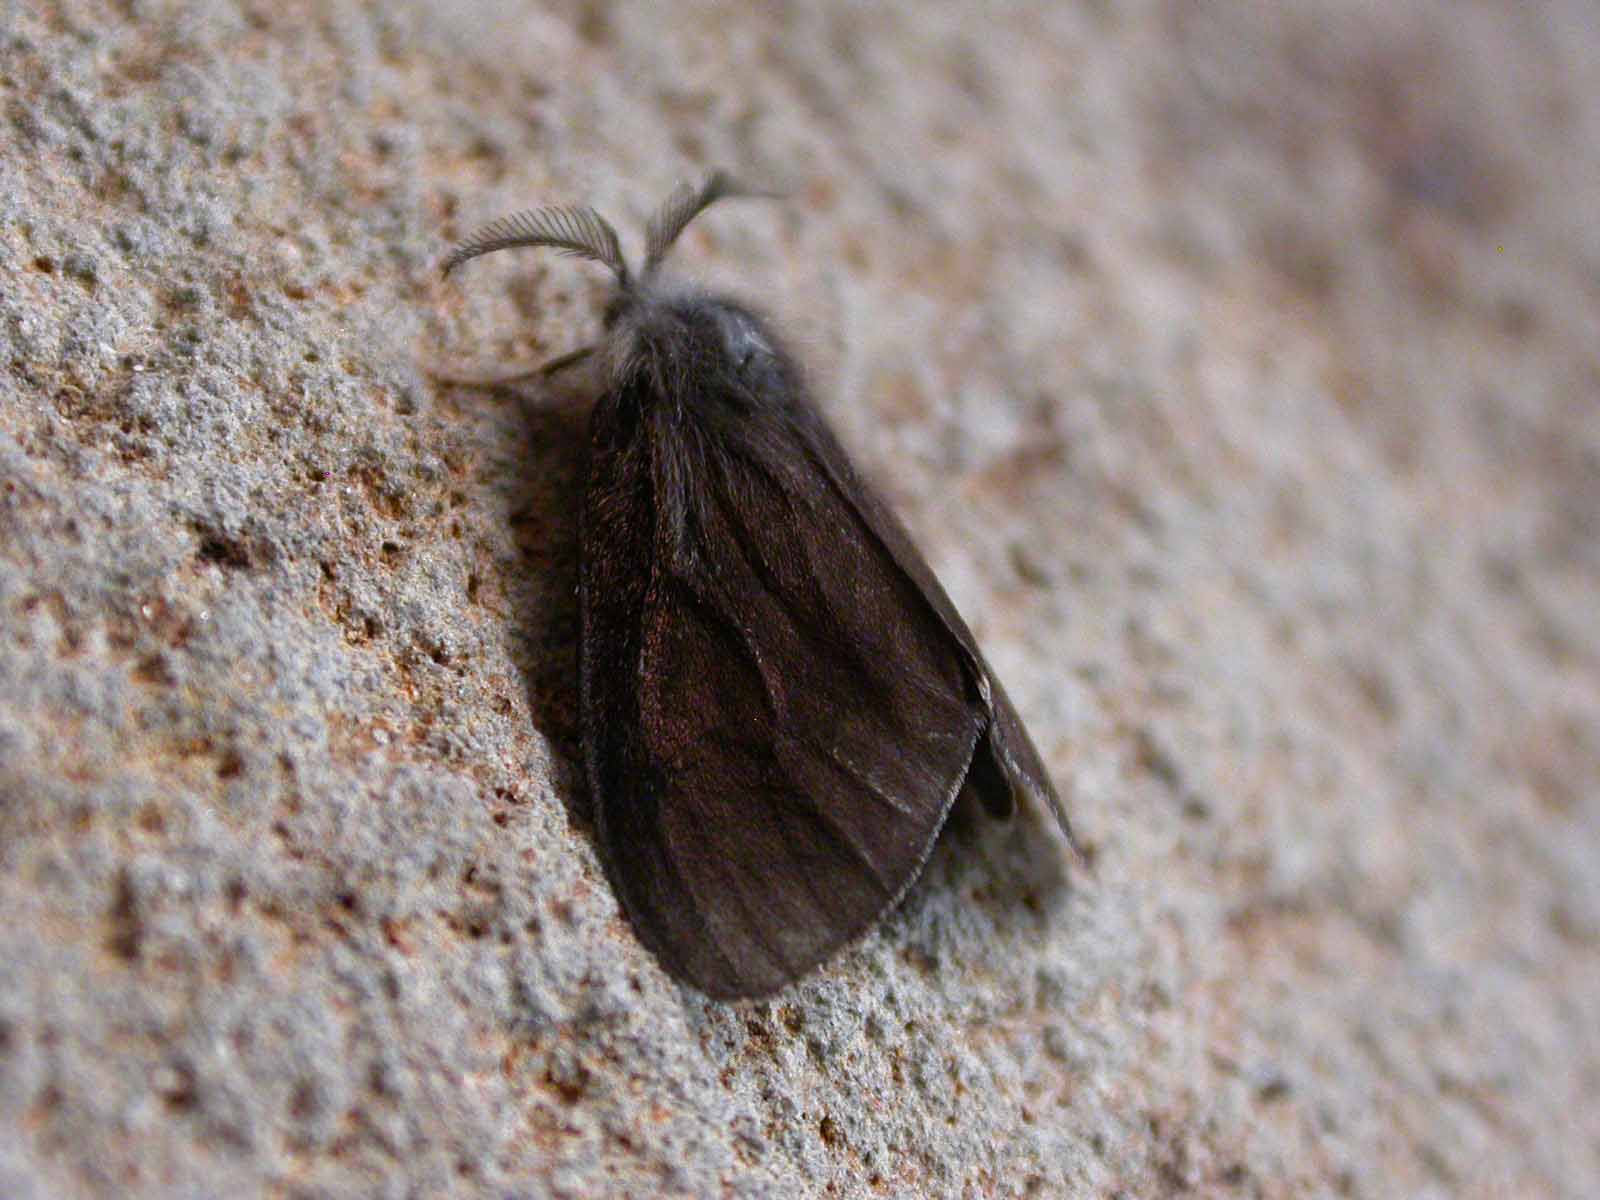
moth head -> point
(584, 233)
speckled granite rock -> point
(1236, 370)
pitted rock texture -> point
(1235, 368)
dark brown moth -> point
(780, 703)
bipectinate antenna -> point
(682, 206)
(580, 232)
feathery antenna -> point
(580, 232)
(682, 206)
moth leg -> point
(570, 359)
(500, 376)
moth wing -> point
(1007, 766)
(776, 721)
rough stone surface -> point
(1236, 367)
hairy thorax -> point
(691, 349)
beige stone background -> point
(1235, 365)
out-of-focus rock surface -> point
(1236, 367)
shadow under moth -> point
(779, 702)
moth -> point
(779, 702)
